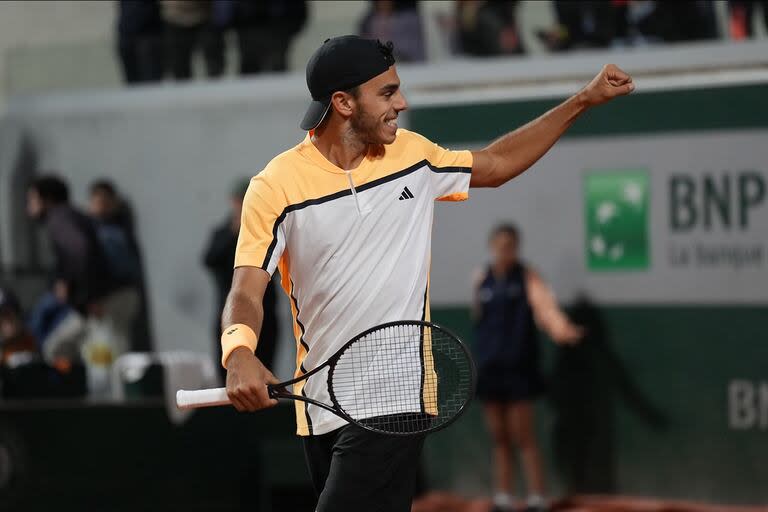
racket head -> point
(407, 377)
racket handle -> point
(276, 391)
(201, 398)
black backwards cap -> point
(342, 63)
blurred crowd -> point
(94, 307)
(158, 39)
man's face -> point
(35, 207)
(377, 105)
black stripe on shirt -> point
(421, 349)
(465, 170)
(301, 366)
(347, 192)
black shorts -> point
(354, 470)
(513, 385)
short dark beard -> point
(351, 139)
(365, 127)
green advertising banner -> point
(616, 210)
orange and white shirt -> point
(352, 247)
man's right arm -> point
(247, 377)
(518, 150)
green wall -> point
(640, 407)
(684, 110)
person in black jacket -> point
(139, 31)
(219, 259)
(113, 220)
(81, 277)
(265, 31)
(486, 29)
(81, 281)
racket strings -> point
(403, 378)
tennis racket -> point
(403, 378)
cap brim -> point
(315, 114)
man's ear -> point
(343, 103)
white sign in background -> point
(725, 264)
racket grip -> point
(276, 390)
(201, 398)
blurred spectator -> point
(113, 221)
(23, 374)
(87, 297)
(114, 227)
(488, 28)
(188, 26)
(16, 342)
(740, 17)
(219, 258)
(691, 20)
(140, 40)
(81, 279)
(265, 30)
(398, 21)
(584, 24)
(510, 301)
(601, 24)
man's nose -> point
(401, 104)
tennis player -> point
(346, 216)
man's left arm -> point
(516, 151)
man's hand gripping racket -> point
(407, 377)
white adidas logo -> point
(406, 194)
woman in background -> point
(510, 302)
